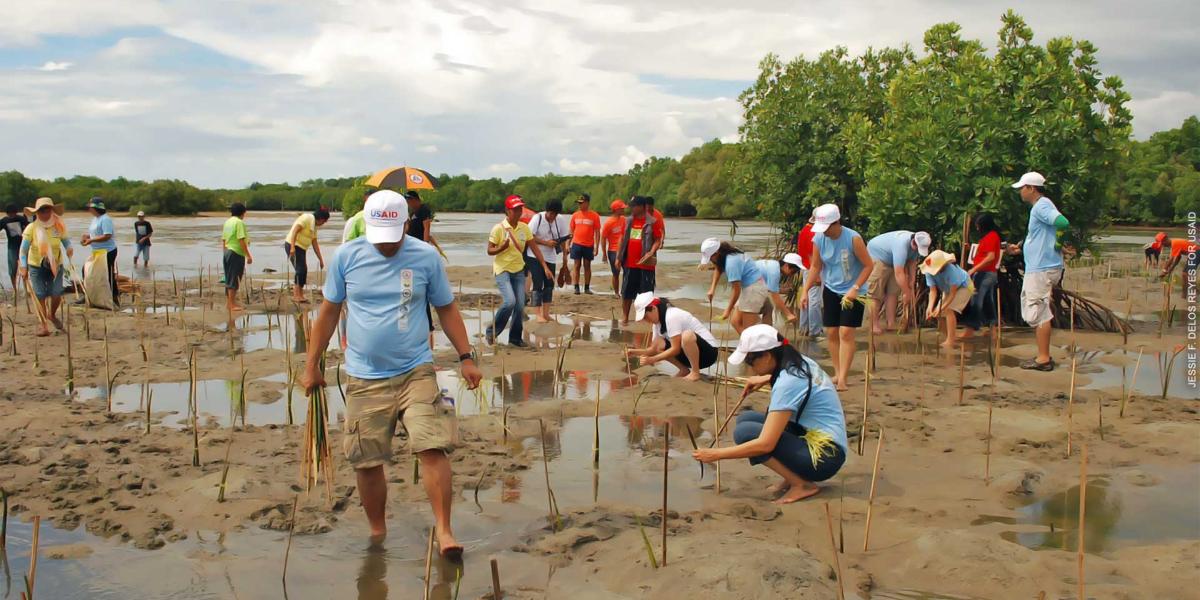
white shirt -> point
(544, 229)
(679, 320)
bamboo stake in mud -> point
(496, 593)
(962, 371)
(837, 563)
(107, 368)
(596, 431)
(866, 403)
(666, 471)
(987, 464)
(225, 468)
(745, 394)
(1082, 513)
(33, 555)
(1132, 382)
(546, 469)
(194, 408)
(287, 551)
(871, 495)
(999, 327)
(3, 520)
(428, 563)
(716, 432)
(1070, 405)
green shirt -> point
(234, 230)
(355, 228)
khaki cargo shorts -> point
(961, 299)
(882, 281)
(1036, 292)
(753, 298)
(374, 406)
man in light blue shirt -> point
(1043, 265)
(385, 279)
(895, 255)
(100, 238)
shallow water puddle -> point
(218, 400)
(527, 386)
(1149, 382)
(1128, 508)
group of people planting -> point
(387, 278)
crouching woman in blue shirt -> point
(802, 436)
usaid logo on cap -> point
(384, 215)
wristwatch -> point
(468, 356)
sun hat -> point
(756, 338)
(141, 213)
(824, 216)
(1031, 178)
(936, 261)
(643, 301)
(617, 205)
(793, 259)
(97, 202)
(43, 202)
(585, 197)
(385, 214)
(708, 248)
(513, 201)
(923, 241)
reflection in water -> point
(1061, 511)
(372, 576)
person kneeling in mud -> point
(678, 337)
(802, 436)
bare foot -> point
(375, 540)
(841, 386)
(693, 376)
(779, 488)
(57, 324)
(798, 493)
(43, 332)
(685, 373)
(877, 331)
(449, 547)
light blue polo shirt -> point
(102, 225)
(950, 275)
(840, 266)
(824, 410)
(771, 273)
(386, 326)
(893, 248)
(742, 269)
(1039, 251)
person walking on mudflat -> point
(142, 230)
(13, 224)
(1043, 265)
(301, 237)
(585, 240)
(235, 254)
(384, 279)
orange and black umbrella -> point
(410, 178)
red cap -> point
(617, 205)
(513, 201)
(1160, 237)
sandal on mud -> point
(1033, 365)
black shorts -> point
(832, 313)
(612, 263)
(708, 354)
(636, 281)
(235, 266)
(581, 252)
(1151, 252)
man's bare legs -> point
(372, 492)
(436, 477)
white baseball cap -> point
(641, 302)
(824, 216)
(1030, 178)
(141, 213)
(756, 338)
(923, 242)
(385, 215)
(707, 249)
(793, 259)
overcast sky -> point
(224, 93)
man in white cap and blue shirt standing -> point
(895, 255)
(1043, 265)
(385, 278)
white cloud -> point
(51, 65)
(270, 90)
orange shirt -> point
(584, 226)
(613, 231)
(1179, 246)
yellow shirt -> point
(35, 253)
(305, 227)
(512, 259)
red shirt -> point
(990, 244)
(1179, 246)
(804, 244)
(633, 253)
(584, 226)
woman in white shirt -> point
(678, 337)
(549, 229)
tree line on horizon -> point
(898, 141)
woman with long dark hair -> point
(983, 270)
(750, 295)
(802, 436)
(678, 337)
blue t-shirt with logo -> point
(771, 273)
(824, 409)
(102, 225)
(742, 269)
(893, 248)
(950, 275)
(386, 325)
(1040, 253)
(840, 266)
